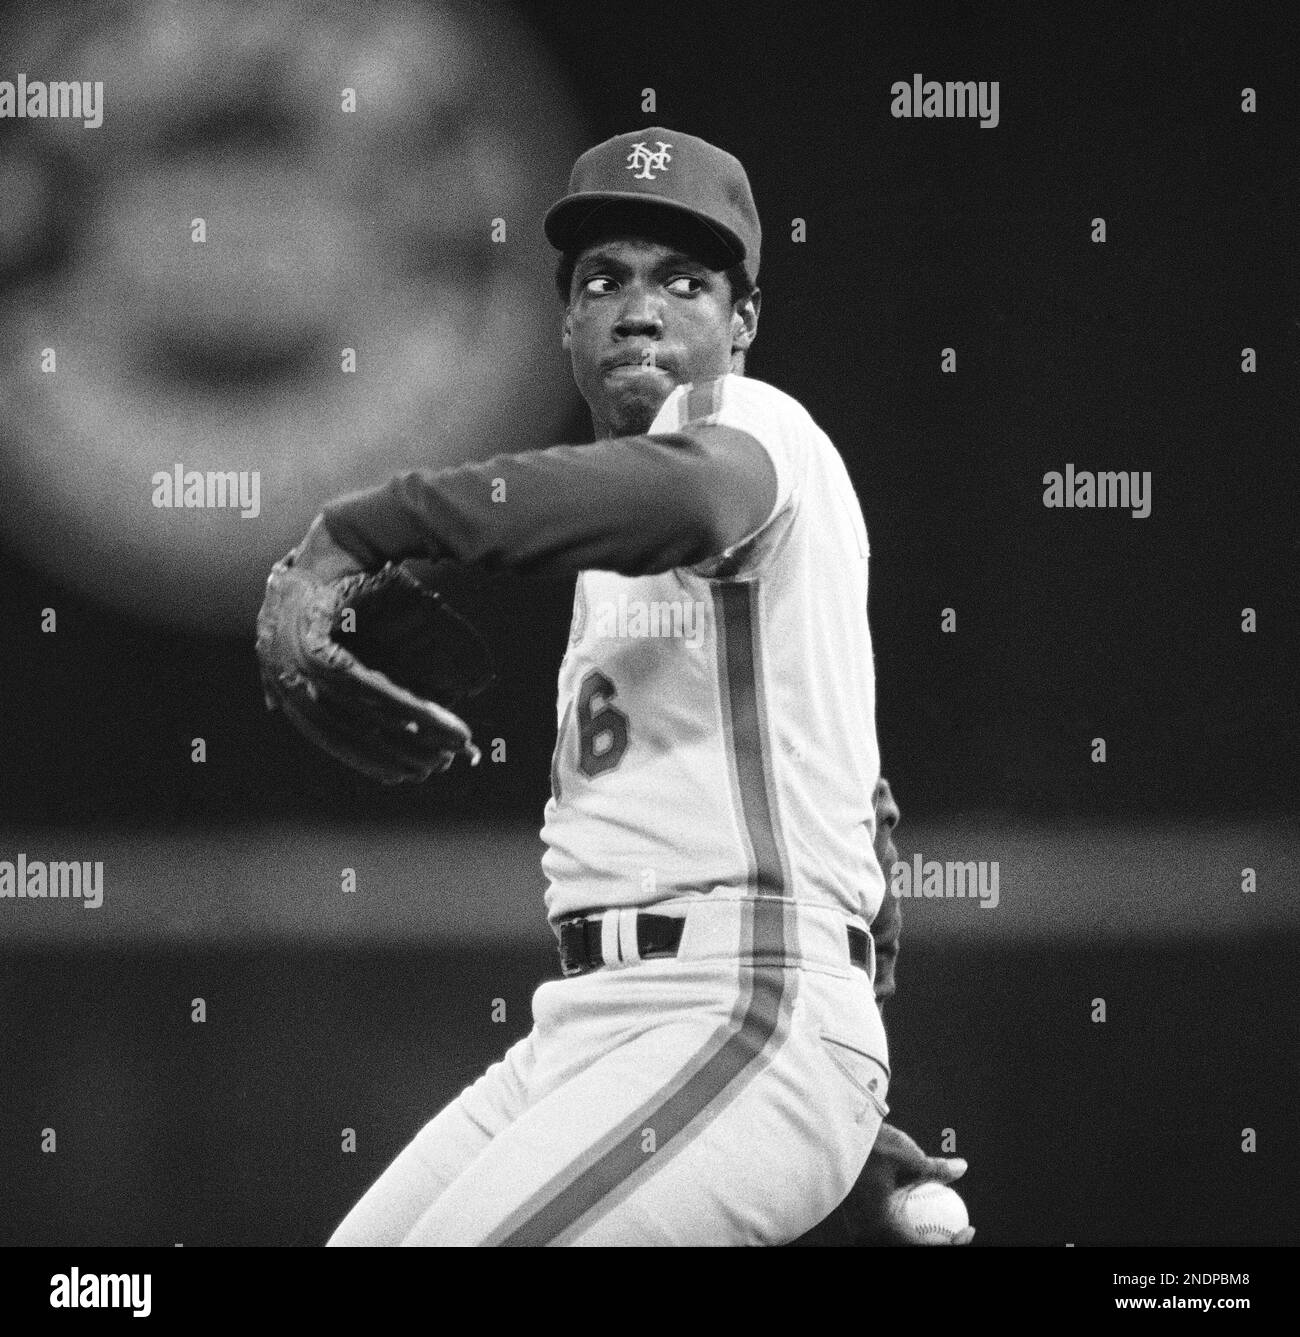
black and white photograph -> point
(649, 626)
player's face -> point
(643, 318)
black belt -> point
(656, 936)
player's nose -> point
(639, 313)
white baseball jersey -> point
(716, 748)
(717, 723)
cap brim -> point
(575, 216)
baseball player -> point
(712, 1067)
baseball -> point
(929, 1213)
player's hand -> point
(896, 1161)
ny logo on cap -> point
(648, 162)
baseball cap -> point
(667, 172)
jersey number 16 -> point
(602, 729)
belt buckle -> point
(868, 963)
(568, 967)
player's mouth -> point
(637, 358)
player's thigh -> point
(769, 1159)
(439, 1153)
(687, 1133)
(565, 1138)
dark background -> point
(1071, 624)
(922, 234)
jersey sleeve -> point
(765, 414)
(783, 431)
(635, 505)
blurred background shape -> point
(325, 229)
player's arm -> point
(635, 505)
(887, 926)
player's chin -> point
(632, 407)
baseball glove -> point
(372, 669)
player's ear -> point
(566, 338)
(744, 321)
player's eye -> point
(593, 284)
(685, 285)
